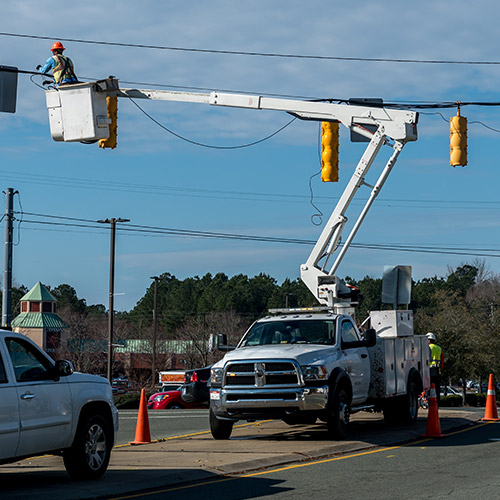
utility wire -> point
(408, 105)
(258, 54)
(210, 146)
(162, 231)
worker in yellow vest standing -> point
(60, 65)
(435, 363)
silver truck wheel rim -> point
(95, 447)
(344, 414)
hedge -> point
(473, 399)
(451, 401)
(129, 401)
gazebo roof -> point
(39, 320)
(38, 293)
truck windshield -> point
(315, 331)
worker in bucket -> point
(435, 363)
(60, 65)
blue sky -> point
(155, 179)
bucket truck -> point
(294, 364)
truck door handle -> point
(28, 395)
(364, 355)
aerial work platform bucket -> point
(78, 112)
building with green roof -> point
(38, 319)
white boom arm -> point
(400, 126)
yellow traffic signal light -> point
(330, 151)
(112, 105)
(458, 140)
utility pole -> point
(111, 311)
(155, 326)
(7, 260)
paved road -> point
(175, 462)
(163, 423)
(463, 465)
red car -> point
(170, 400)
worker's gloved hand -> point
(39, 67)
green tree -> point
(68, 299)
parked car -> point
(48, 408)
(170, 400)
(195, 388)
(449, 391)
(484, 388)
(120, 385)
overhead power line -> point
(271, 197)
(141, 230)
(251, 53)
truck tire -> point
(403, 409)
(220, 429)
(409, 411)
(89, 455)
(338, 414)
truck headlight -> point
(314, 372)
(216, 376)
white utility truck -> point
(45, 407)
(293, 364)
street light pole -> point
(112, 222)
(155, 327)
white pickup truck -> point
(300, 366)
(45, 407)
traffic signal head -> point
(110, 142)
(330, 152)
(458, 140)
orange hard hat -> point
(57, 45)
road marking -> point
(291, 467)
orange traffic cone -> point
(490, 412)
(142, 434)
(433, 425)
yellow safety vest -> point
(435, 361)
(63, 69)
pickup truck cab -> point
(47, 408)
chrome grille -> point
(262, 374)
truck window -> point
(349, 332)
(291, 332)
(28, 362)
(3, 376)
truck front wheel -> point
(89, 454)
(220, 429)
(338, 414)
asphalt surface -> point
(196, 456)
(428, 468)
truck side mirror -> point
(370, 337)
(64, 367)
(218, 342)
